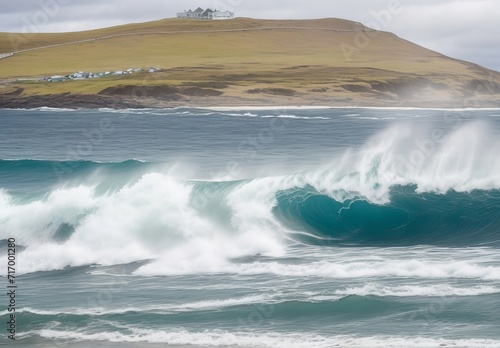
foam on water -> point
(150, 219)
(189, 227)
(463, 160)
(392, 243)
(344, 270)
(216, 338)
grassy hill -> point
(245, 61)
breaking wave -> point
(400, 188)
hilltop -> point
(238, 62)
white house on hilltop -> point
(200, 13)
(222, 15)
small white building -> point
(222, 15)
(57, 78)
(200, 13)
(185, 14)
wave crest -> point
(403, 187)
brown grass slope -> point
(247, 61)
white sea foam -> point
(215, 304)
(292, 294)
(246, 114)
(308, 107)
(463, 160)
(265, 108)
(434, 290)
(154, 218)
(49, 109)
(344, 269)
(297, 117)
(37, 222)
(387, 268)
(217, 338)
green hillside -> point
(323, 61)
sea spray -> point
(352, 227)
(362, 198)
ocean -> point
(220, 227)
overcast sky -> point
(464, 29)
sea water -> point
(285, 227)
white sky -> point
(464, 29)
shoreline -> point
(254, 108)
(229, 103)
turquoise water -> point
(252, 228)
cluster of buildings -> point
(80, 75)
(200, 13)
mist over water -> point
(358, 227)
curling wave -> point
(400, 188)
